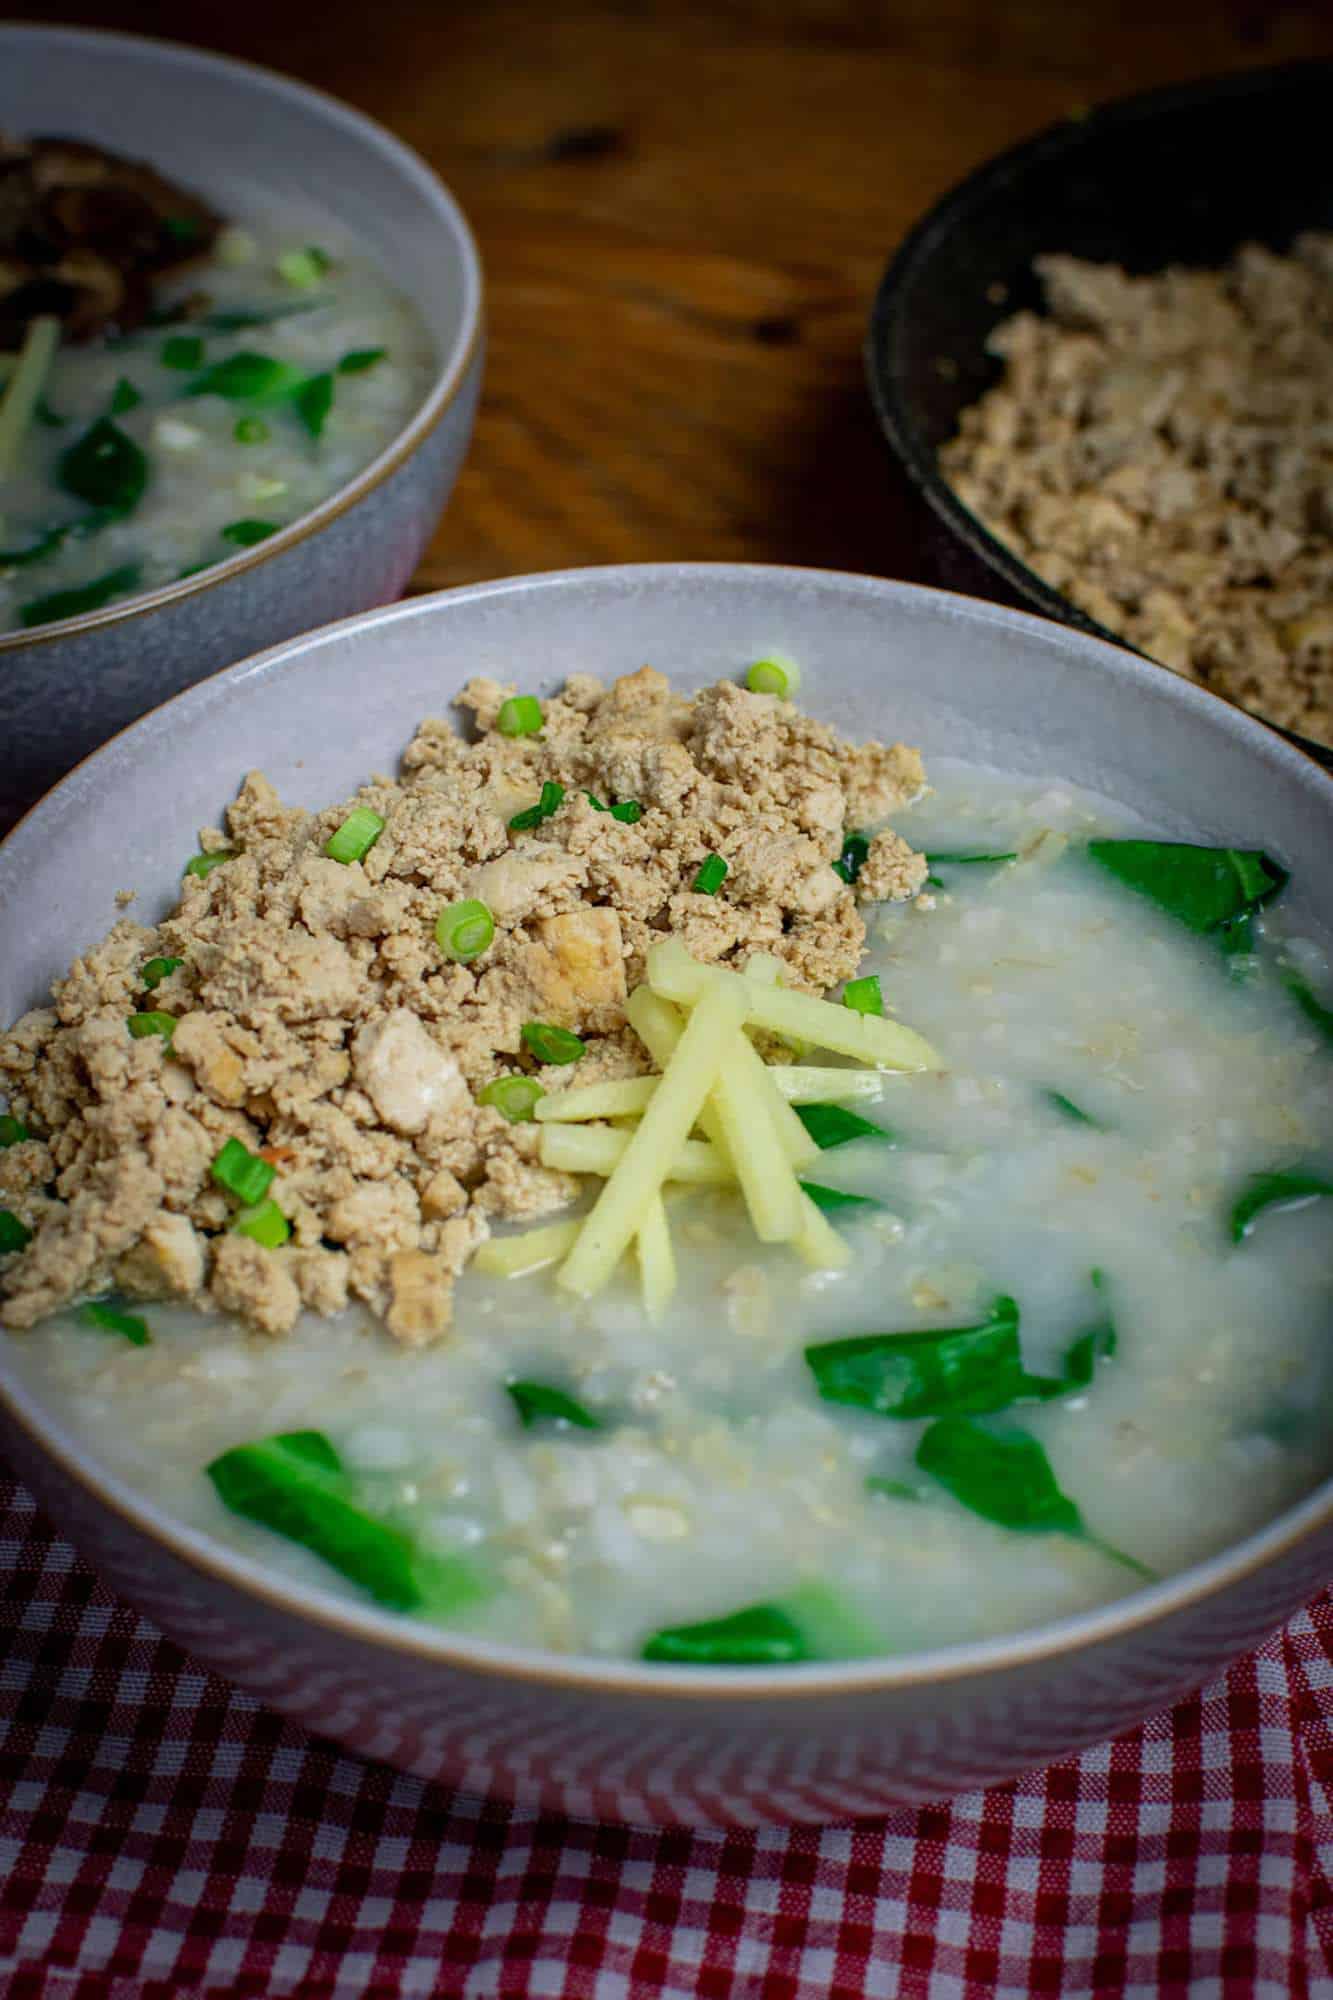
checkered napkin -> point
(163, 1836)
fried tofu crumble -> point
(319, 1023)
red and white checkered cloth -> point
(162, 1835)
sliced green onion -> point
(264, 1223)
(552, 798)
(242, 1172)
(246, 533)
(863, 996)
(12, 1130)
(775, 675)
(251, 430)
(158, 969)
(81, 597)
(520, 715)
(96, 1312)
(464, 930)
(152, 1023)
(629, 812)
(515, 1097)
(550, 1044)
(359, 359)
(541, 1403)
(355, 837)
(711, 876)
(247, 377)
(204, 864)
(123, 397)
(304, 268)
(182, 350)
(14, 1235)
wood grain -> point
(683, 211)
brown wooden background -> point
(683, 210)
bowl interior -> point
(953, 675)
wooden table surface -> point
(683, 211)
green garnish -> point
(247, 377)
(1276, 1192)
(98, 1313)
(105, 467)
(514, 1097)
(13, 1131)
(1006, 1477)
(242, 1172)
(182, 350)
(892, 1489)
(520, 715)
(244, 319)
(246, 533)
(834, 1125)
(158, 969)
(14, 1235)
(204, 864)
(760, 1636)
(183, 228)
(1073, 1112)
(313, 401)
(264, 1222)
(968, 860)
(152, 1023)
(965, 1370)
(45, 545)
(46, 415)
(775, 675)
(1300, 990)
(251, 430)
(852, 860)
(304, 268)
(539, 1403)
(295, 1485)
(550, 1044)
(82, 597)
(464, 930)
(359, 359)
(1210, 890)
(356, 836)
(864, 996)
(712, 874)
(123, 397)
(552, 798)
(629, 812)
(830, 1200)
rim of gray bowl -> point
(529, 1665)
(445, 387)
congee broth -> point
(213, 389)
(659, 1180)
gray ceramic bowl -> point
(237, 132)
(626, 1740)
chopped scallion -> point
(247, 377)
(355, 837)
(774, 675)
(712, 874)
(515, 1097)
(158, 969)
(242, 1172)
(550, 1044)
(542, 1403)
(152, 1023)
(304, 268)
(552, 798)
(204, 864)
(852, 860)
(46, 415)
(14, 1235)
(12, 1130)
(246, 533)
(629, 812)
(520, 715)
(264, 1223)
(864, 996)
(464, 930)
(183, 351)
(81, 598)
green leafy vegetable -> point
(762, 1635)
(81, 597)
(251, 430)
(294, 1484)
(182, 350)
(244, 319)
(1006, 1477)
(831, 1199)
(248, 377)
(1096, 1343)
(13, 1131)
(359, 359)
(968, 1370)
(852, 860)
(1074, 1112)
(46, 545)
(1205, 888)
(313, 400)
(1276, 1192)
(158, 969)
(246, 533)
(105, 467)
(1300, 990)
(46, 415)
(14, 1235)
(540, 1403)
(968, 860)
(123, 397)
(834, 1125)
(108, 1319)
(552, 798)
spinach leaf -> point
(540, 1403)
(1074, 1112)
(831, 1199)
(1277, 1192)
(852, 860)
(294, 1484)
(105, 467)
(246, 533)
(248, 377)
(1301, 992)
(358, 359)
(81, 597)
(951, 1369)
(834, 1125)
(14, 1234)
(123, 397)
(762, 1635)
(1208, 889)
(314, 400)
(1096, 1343)
(109, 1319)
(1006, 1477)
